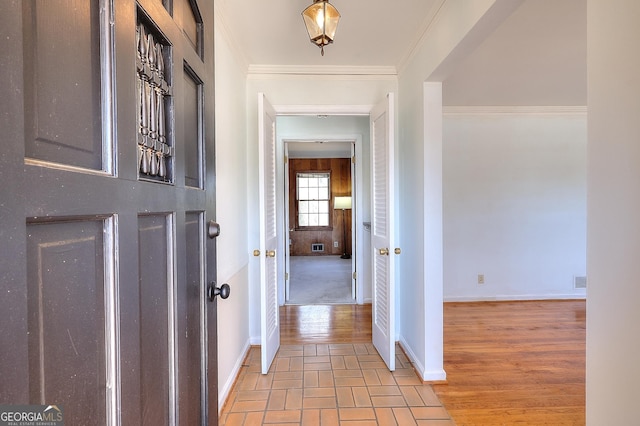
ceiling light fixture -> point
(321, 20)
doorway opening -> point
(337, 144)
(372, 136)
(319, 193)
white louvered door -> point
(382, 235)
(269, 318)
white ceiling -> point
(272, 32)
(536, 57)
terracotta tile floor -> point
(331, 384)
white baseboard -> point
(506, 298)
(225, 391)
(425, 375)
(255, 341)
(434, 376)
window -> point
(312, 196)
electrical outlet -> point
(480, 279)
(335, 244)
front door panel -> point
(190, 306)
(66, 261)
(62, 80)
(154, 287)
(108, 179)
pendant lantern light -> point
(321, 20)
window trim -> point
(299, 227)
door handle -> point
(223, 291)
(213, 229)
(268, 253)
(384, 252)
(397, 250)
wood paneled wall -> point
(301, 240)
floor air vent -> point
(317, 247)
(579, 282)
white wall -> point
(459, 27)
(613, 211)
(514, 204)
(231, 211)
(537, 56)
(454, 34)
(284, 91)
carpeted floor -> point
(319, 280)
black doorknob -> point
(223, 291)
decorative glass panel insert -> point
(154, 102)
(313, 195)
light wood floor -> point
(515, 363)
(331, 384)
(327, 373)
(507, 363)
(325, 324)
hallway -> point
(319, 379)
(331, 384)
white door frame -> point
(357, 219)
(314, 110)
(357, 260)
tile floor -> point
(331, 384)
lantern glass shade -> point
(321, 20)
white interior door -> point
(269, 318)
(382, 227)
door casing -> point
(356, 184)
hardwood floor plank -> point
(506, 362)
(514, 362)
(325, 324)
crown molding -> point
(339, 70)
(514, 110)
(428, 23)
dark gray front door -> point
(107, 187)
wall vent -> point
(579, 282)
(317, 247)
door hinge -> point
(286, 276)
(353, 159)
(355, 276)
(286, 159)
